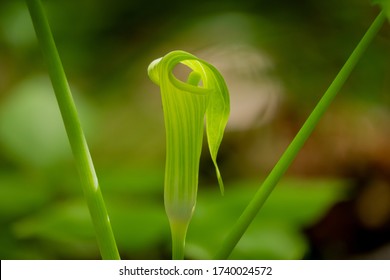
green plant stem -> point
(93, 195)
(179, 232)
(295, 146)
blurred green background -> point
(278, 57)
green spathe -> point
(185, 106)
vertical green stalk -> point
(93, 195)
(291, 152)
(179, 232)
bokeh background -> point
(278, 58)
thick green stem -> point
(94, 198)
(291, 152)
(179, 232)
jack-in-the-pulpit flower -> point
(185, 105)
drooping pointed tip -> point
(222, 189)
(220, 182)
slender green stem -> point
(291, 152)
(93, 195)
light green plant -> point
(185, 106)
